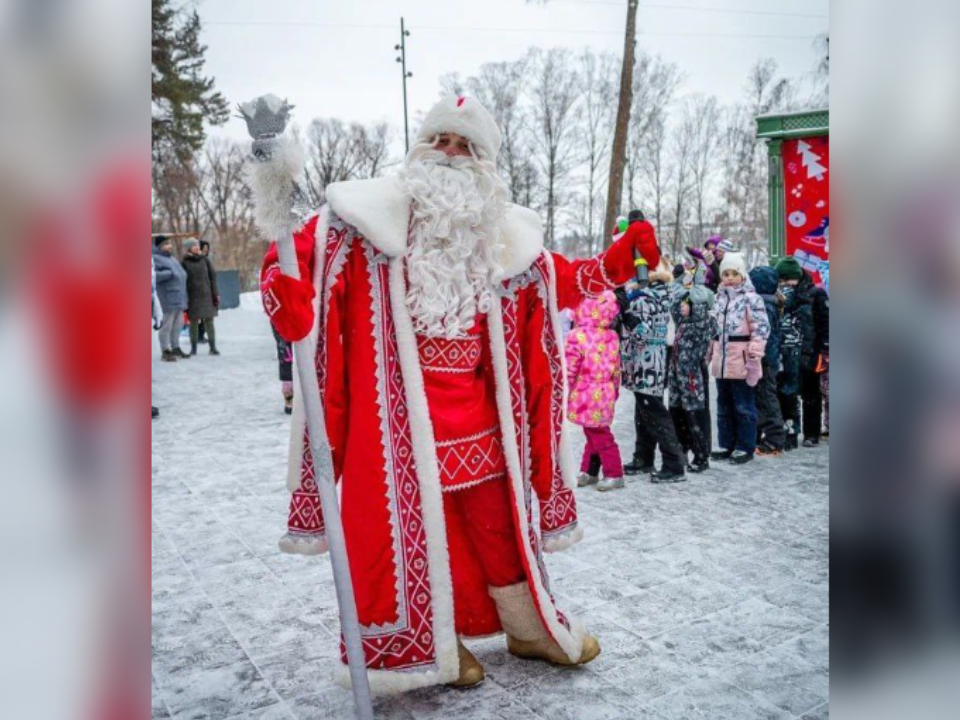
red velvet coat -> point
(400, 545)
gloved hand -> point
(289, 303)
(157, 323)
(754, 371)
(216, 301)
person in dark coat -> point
(202, 295)
(770, 432)
(644, 372)
(205, 251)
(799, 340)
(172, 291)
(687, 374)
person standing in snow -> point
(157, 313)
(806, 331)
(770, 431)
(202, 294)
(687, 375)
(205, 252)
(172, 291)
(433, 306)
(285, 367)
(593, 375)
(645, 374)
(735, 357)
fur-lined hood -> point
(380, 209)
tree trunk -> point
(619, 152)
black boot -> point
(213, 349)
(180, 354)
(637, 467)
(193, 349)
(698, 465)
(666, 476)
(721, 454)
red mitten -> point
(289, 303)
(644, 239)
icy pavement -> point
(710, 598)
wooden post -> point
(619, 153)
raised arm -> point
(579, 279)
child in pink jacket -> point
(734, 357)
(593, 373)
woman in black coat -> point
(203, 299)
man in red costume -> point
(433, 306)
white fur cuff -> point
(295, 544)
(563, 540)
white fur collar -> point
(380, 209)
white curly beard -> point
(458, 206)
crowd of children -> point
(763, 336)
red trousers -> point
(484, 552)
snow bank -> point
(251, 301)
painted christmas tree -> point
(811, 161)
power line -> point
(338, 26)
(698, 8)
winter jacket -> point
(156, 310)
(695, 332)
(766, 283)
(821, 321)
(742, 332)
(202, 300)
(171, 281)
(711, 272)
(804, 313)
(645, 344)
(593, 363)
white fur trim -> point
(464, 116)
(568, 470)
(272, 186)
(563, 541)
(392, 682)
(428, 473)
(571, 641)
(298, 421)
(303, 544)
(380, 210)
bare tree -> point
(655, 83)
(744, 211)
(704, 119)
(553, 90)
(598, 77)
(336, 151)
(619, 151)
(681, 157)
(653, 165)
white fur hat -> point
(734, 261)
(464, 116)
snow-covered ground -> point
(710, 598)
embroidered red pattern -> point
(467, 462)
(459, 355)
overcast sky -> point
(335, 58)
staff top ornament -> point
(266, 116)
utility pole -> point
(402, 59)
(619, 153)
